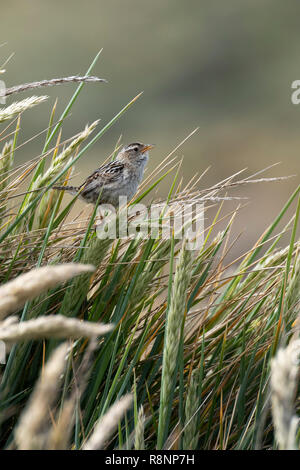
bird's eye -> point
(135, 149)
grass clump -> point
(167, 348)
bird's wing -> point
(107, 175)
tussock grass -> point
(185, 344)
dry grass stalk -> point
(139, 442)
(284, 382)
(15, 293)
(190, 435)
(20, 106)
(293, 289)
(54, 326)
(108, 423)
(60, 435)
(59, 161)
(32, 429)
(6, 162)
(48, 201)
(52, 82)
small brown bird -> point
(120, 177)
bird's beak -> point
(147, 147)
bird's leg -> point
(101, 214)
(99, 218)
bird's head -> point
(136, 152)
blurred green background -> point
(225, 66)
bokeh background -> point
(225, 66)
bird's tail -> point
(70, 189)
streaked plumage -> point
(117, 178)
